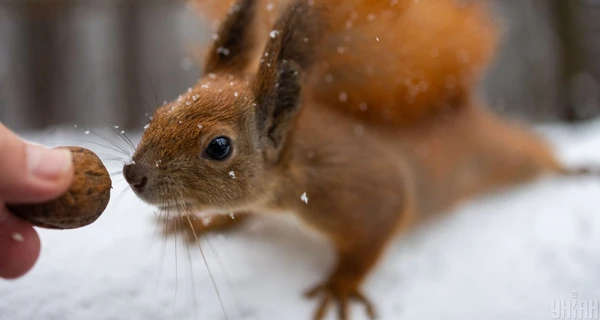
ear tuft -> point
(235, 40)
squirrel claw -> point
(341, 296)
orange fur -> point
(402, 61)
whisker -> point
(118, 181)
(108, 157)
(212, 279)
(122, 194)
(101, 145)
(176, 267)
(119, 162)
(146, 105)
(115, 128)
(118, 146)
(143, 101)
(225, 270)
(121, 134)
(127, 138)
(153, 89)
(112, 156)
(187, 246)
(163, 244)
(116, 173)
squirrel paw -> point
(340, 294)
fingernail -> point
(48, 164)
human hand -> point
(28, 173)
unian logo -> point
(575, 308)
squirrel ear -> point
(235, 40)
(278, 103)
(277, 86)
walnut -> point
(81, 205)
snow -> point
(304, 198)
(222, 50)
(511, 255)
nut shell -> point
(82, 204)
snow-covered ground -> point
(513, 255)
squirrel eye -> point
(219, 148)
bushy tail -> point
(399, 61)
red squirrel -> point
(360, 117)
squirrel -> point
(359, 117)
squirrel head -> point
(213, 148)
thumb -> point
(31, 173)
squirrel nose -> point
(135, 176)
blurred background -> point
(66, 62)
